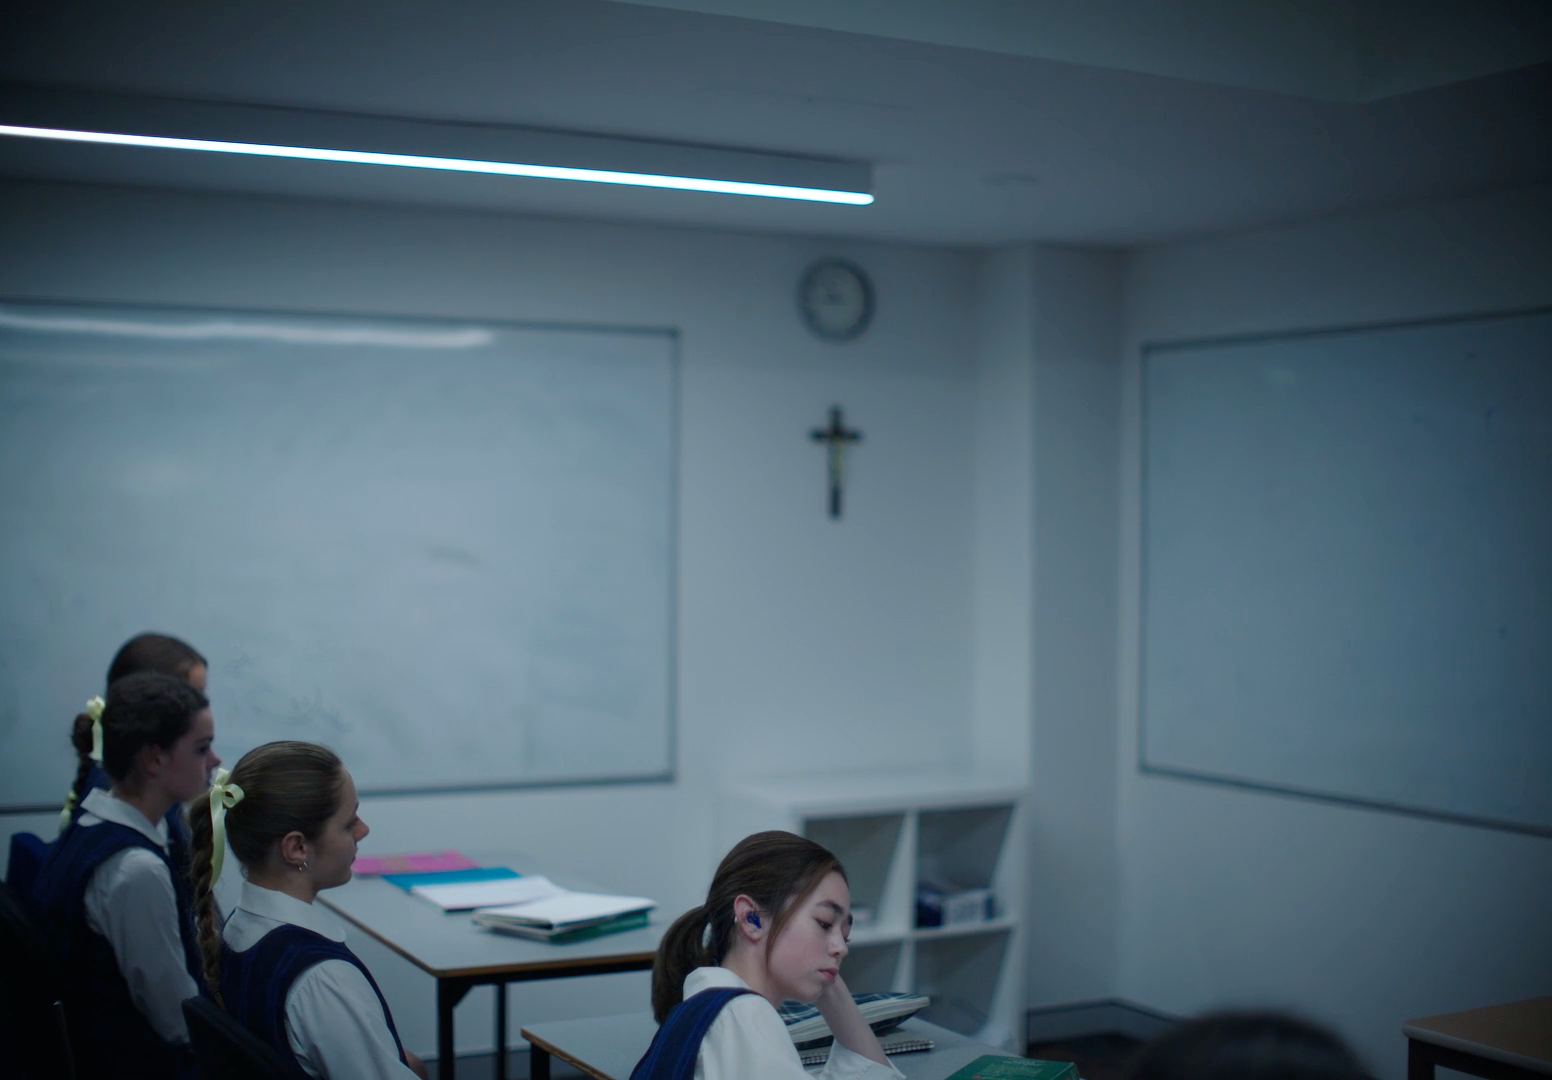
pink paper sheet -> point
(421, 862)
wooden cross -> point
(837, 436)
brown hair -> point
(143, 652)
(1250, 1045)
(774, 869)
(144, 709)
(287, 787)
(154, 652)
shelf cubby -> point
(867, 847)
(962, 974)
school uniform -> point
(120, 924)
(288, 976)
(748, 1041)
(177, 827)
(179, 842)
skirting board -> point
(1104, 1017)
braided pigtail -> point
(81, 739)
(201, 873)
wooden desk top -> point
(449, 945)
(608, 1047)
(1519, 1033)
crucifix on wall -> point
(837, 437)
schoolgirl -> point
(280, 965)
(774, 927)
(143, 652)
(116, 915)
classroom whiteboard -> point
(445, 549)
(1347, 566)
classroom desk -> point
(608, 1047)
(1500, 1042)
(461, 956)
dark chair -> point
(27, 855)
(32, 1014)
(226, 1049)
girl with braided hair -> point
(280, 965)
(114, 911)
(143, 652)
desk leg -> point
(449, 993)
(501, 1031)
(1419, 1064)
(538, 1062)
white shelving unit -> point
(889, 830)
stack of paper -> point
(882, 1011)
(567, 916)
(468, 895)
(897, 1042)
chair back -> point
(225, 1048)
(27, 854)
(32, 1014)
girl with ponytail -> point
(280, 965)
(114, 910)
(143, 652)
(774, 927)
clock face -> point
(836, 299)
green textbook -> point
(992, 1067)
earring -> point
(302, 867)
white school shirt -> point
(130, 901)
(334, 1022)
(748, 1041)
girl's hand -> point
(834, 995)
(846, 1023)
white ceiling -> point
(987, 121)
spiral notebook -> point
(897, 1042)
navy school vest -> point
(109, 1036)
(254, 984)
(677, 1044)
(177, 827)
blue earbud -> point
(753, 920)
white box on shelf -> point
(943, 904)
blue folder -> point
(451, 877)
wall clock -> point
(836, 299)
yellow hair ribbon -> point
(94, 707)
(223, 796)
(68, 811)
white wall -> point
(804, 644)
(1048, 326)
(1004, 507)
(1073, 851)
(1359, 918)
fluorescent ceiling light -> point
(219, 329)
(450, 164)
